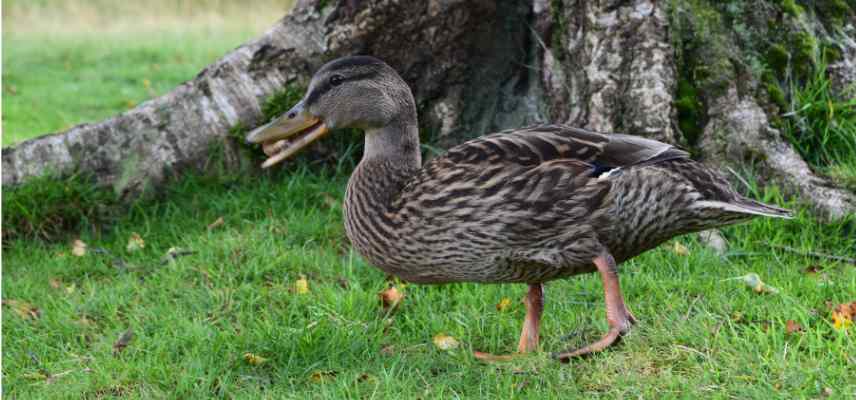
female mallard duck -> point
(527, 205)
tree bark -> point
(481, 66)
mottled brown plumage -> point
(527, 205)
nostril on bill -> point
(291, 115)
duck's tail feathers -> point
(748, 207)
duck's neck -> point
(390, 160)
(396, 143)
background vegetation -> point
(67, 62)
(241, 286)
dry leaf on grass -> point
(301, 286)
(792, 327)
(135, 242)
(23, 309)
(123, 341)
(216, 224)
(842, 315)
(55, 283)
(78, 248)
(387, 350)
(754, 281)
(36, 376)
(680, 249)
(254, 359)
(503, 304)
(812, 269)
(322, 376)
(329, 200)
(390, 298)
(492, 358)
(445, 342)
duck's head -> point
(351, 92)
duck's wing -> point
(535, 168)
(531, 146)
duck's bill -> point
(287, 135)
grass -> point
(195, 319)
(100, 78)
(70, 62)
(47, 208)
(822, 128)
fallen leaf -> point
(737, 316)
(492, 358)
(792, 327)
(754, 281)
(123, 341)
(301, 286)
(78, 248)
(842, 315)
(135, 242)
(23, 309)
(36, 376)
(812, 269)
(445, 342)
(322, 376)
(390, 298)
(254, 360)
(55, 283)
(503, 304)
(216, 224)
(680, 249)
(329, 200)
(84, 321)
(366, 377)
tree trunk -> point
(681, 72)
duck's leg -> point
(617, 315)
(529, 335)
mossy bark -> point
(703, 74)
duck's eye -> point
(336, 80)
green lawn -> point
(53, 83)
(195, 319)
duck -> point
(528, 205)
